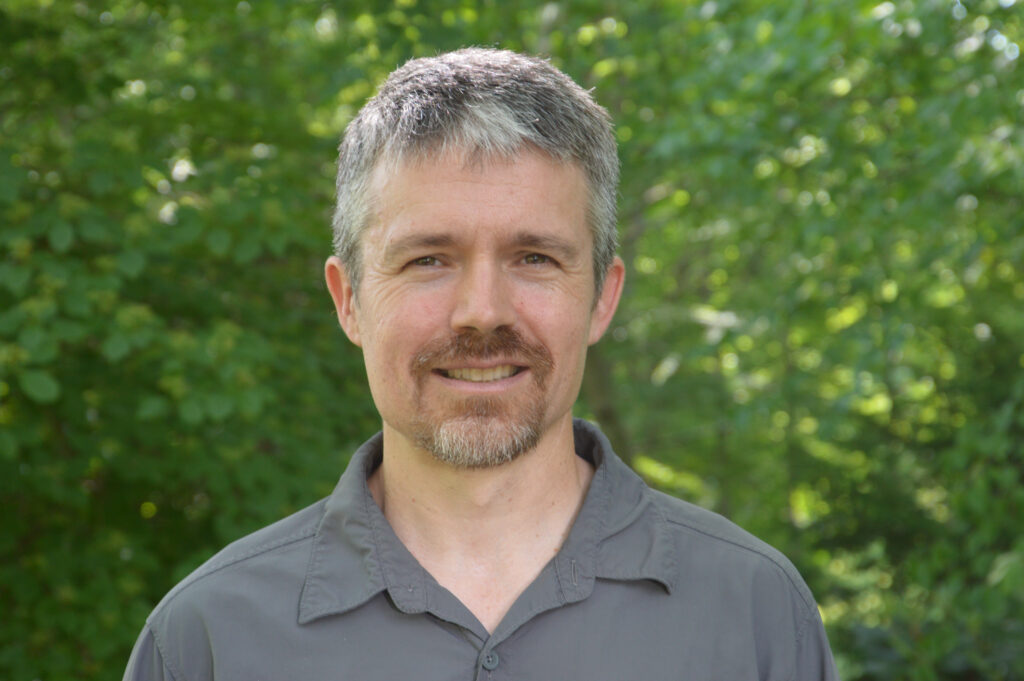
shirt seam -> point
(265, 547)
(753, 549)
(165, 659)
(799, 640)
(803, 628)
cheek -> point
(564, 331)
(399, 329)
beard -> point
(482, 432)
(482, 439)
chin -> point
(479, 441)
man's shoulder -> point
(279, 548)
(709, 542)
(254, 580)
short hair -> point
(483, 103)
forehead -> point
(458, 193)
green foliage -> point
(821, 335)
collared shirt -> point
(645, 587)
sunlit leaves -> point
(820, 335)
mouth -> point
(487, 375)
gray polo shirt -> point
(646, 587)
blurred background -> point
(822, 335)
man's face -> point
(476, 303)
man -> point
(484, 534)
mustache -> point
(502, 343)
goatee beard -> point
(471, 443)
(487, 431)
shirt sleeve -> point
(146, 662)
(813, 656)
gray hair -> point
(483, 103)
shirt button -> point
(490, 661)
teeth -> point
(482, 375)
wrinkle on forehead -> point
(469, 158)
(474, 161)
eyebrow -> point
(395, 249)
(564, 249)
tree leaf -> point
(40, 386)
(61, 236)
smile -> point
(482, 375)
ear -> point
(607, 300)
(343, 295)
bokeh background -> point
(822, 335)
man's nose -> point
(483, 300)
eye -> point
(537, 259)
(425, 261)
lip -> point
(481, 364)
(494, 386)
(482, 375)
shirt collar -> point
(619, 534)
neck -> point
(484, 533)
